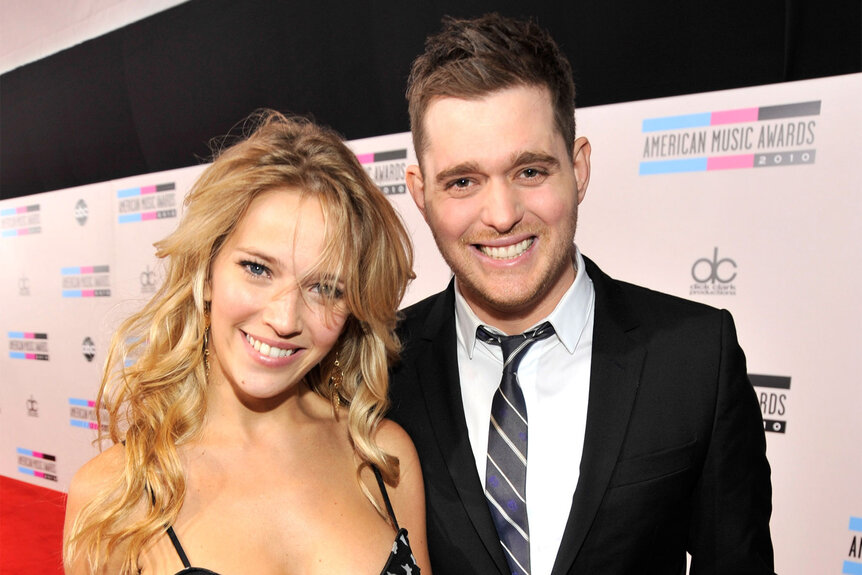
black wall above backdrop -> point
(150, 96)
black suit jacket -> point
(674, 452)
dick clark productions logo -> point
(713, 275)
(32, 407)
(148, 281)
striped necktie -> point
(506, 468)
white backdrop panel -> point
(744, 199)
(790, 234)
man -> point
(637, 431)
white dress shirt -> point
(554, 376)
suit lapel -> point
(437, 365)
(616, 363)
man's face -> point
(500, 194)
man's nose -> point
(502, 206)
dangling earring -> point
(336, 378)
(206, 349)
(207, 352)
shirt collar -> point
(568, 318)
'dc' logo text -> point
(713, 270)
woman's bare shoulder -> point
(93, 478)
(99, 471)
(392, 438)
(408, 496)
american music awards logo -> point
(853, 563)
(387, 169)
(82, 414)
(146, 203)
(713, 275)
(28, 345)
(37, 464)
(86, 281)
(21, 221)
(767, 136)
(773, 394)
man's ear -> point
(581, 161)
(416, 185)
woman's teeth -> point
(267, 349)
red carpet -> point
(31, 528)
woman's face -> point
(269, 323)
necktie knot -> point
(515, 346)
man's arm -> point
(733, 501)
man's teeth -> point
(507, 252)
(267, 349)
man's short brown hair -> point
(471, 58)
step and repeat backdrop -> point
(749, 199)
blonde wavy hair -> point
(154, 383)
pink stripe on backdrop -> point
(87, 293)
(23, 231)
(31, 356)
(734, 116)
(365, 158)
(37, 454)
(93, 425)
(39, 474)
(148, 216)
(29, 335)
(91, 403)
(87, 269)
(730, 162)
(148, 189)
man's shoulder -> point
(434, 306)
(643, 296)
(422, 307)
(642, 301)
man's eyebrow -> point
(457, 170)
(535, 158)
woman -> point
(246, 398)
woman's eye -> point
(255, 268)
(328, 291)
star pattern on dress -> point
(401, 561)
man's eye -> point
(532, 173)
(459, 183)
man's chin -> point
(504, 297)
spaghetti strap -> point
(385, 496)
(180, 551)
(173, 536)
